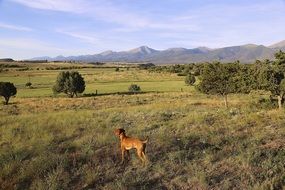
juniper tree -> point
(70, 83)
(7, 90)
(218, 79)
(190, 79)
(270, 76)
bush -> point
(264, 103)
(146, 66)
(190, 79)
(134, 88)
(70, 83)
(28, 84)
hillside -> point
(279, 45)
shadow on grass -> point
(9, 104)
(118, 93)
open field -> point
(49, 142)
(104, 80)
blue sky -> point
(31, 28)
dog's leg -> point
(139, 152)
(143, 154)
(123, 155)
(128, 154)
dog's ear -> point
(119, 131)
(122, 130)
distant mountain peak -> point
(250, 45)
(108, 52)
(204, 49)
(143, 50)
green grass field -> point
(104, 80)
(49, 142)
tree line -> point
(223, 79)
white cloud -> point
(75, 6)
(97, 9)
(127, 20)
(14, 27)
(83, 37)
(97, 40)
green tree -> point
(190, 79)
(134, 88)
(217, 79)
(243, 78)
(269, 75)
(271, 78)
(280, 58)
(7, 90)
(70, 83)
(280, 96)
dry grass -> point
(194, 142)
(61, 143)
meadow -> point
(104, 80)
(55, 142)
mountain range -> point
(245, 53)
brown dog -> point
(128, 143)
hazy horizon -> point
(33, 28)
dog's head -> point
(120, 131)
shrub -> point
(7, 90)
(181, 74)
(190, 79)
(28, 84)
(70, 83)
(146, 66)
(134, 88)
(263, 103)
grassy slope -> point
(61, 143)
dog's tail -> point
(145, 141)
